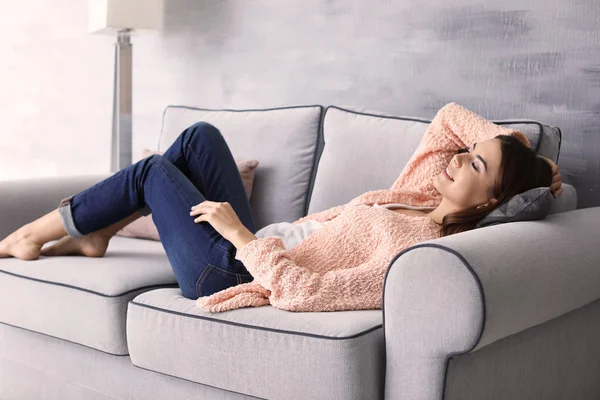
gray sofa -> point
(508, 311)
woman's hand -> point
(221, 217)
(556, 185)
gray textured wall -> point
(524, 59)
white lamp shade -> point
(109, 16)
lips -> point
(445, 172)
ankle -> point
(100, 238)
(103, 234)
(26, 232)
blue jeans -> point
(198, 166)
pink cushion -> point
(144, 228)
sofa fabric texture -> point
(248, 350)
(35, 366)
(82, 299)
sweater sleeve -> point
(453, 128)
(295, 288)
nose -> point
(457, 161)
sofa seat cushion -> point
(81, 299)
(264, 352)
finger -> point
(199, 209)
(201, 218)
(205, 205)
(196, 205)
(557, 192)
(202, 209)
(205, 202)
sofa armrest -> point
(567, 201)
(456, 294)
(22, 201)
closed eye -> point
(481, 159)
(473, 164)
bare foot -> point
(91, 245)
(20, 244)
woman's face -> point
(473, 176)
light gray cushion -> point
(82, 299)
(367, 151)
(531, 205)
(40, 367)
(263, 351)
(283, 139)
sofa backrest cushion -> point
(284, 140)
(363, 151)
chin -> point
(436, 184)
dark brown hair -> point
(520, 170)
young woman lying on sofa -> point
(464, 168)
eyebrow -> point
(482, 160)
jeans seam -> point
(202, 277)
(182, 199)
(195, 158)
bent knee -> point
(204, 128)
(203, 131)
(155, 158)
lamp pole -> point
(122, 99)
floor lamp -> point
(123, 18)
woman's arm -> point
(465, 127)
(242, 237)
(453, 128)
(295, 288)
(556, 186)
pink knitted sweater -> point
(342, 266)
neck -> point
(437, 215)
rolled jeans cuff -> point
(66, 217)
